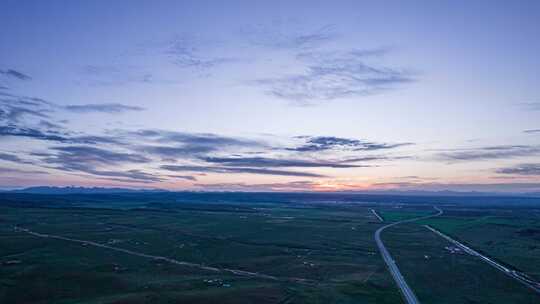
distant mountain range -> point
(443, 193)
(103, 190)
(80, 190)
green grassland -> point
(332, 249)
(399, 214)
(319, 251)
(510, 236)
(440, 277)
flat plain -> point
(264, 248)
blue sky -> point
(271, 95)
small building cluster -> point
(454, 249)
(216, 282)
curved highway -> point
(406, 291)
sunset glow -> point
(251, 97)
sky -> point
(271, 95)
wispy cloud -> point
(202, 139)
(322, 143)
(9, 157)
(111, 108)
(186, 177)
(20, 171)
(160, 62)
(14, 108)
(218, 169)
(15, 113)
(39, 119)
(12, 131)
(131, 175)
(289, 38)
(72, 157)
(491, 152)
(173, 152)
(531, 106)
(172, 144)
(288, 186)
(120, 154)
(13, 158)
(523, 169)
(532, 131)
(97, 162)
(18, 110)
(187, 52)
(117, 74)
(55, 135)
(332, 75)
(276, 162)
(50, 125)
(14, 74)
